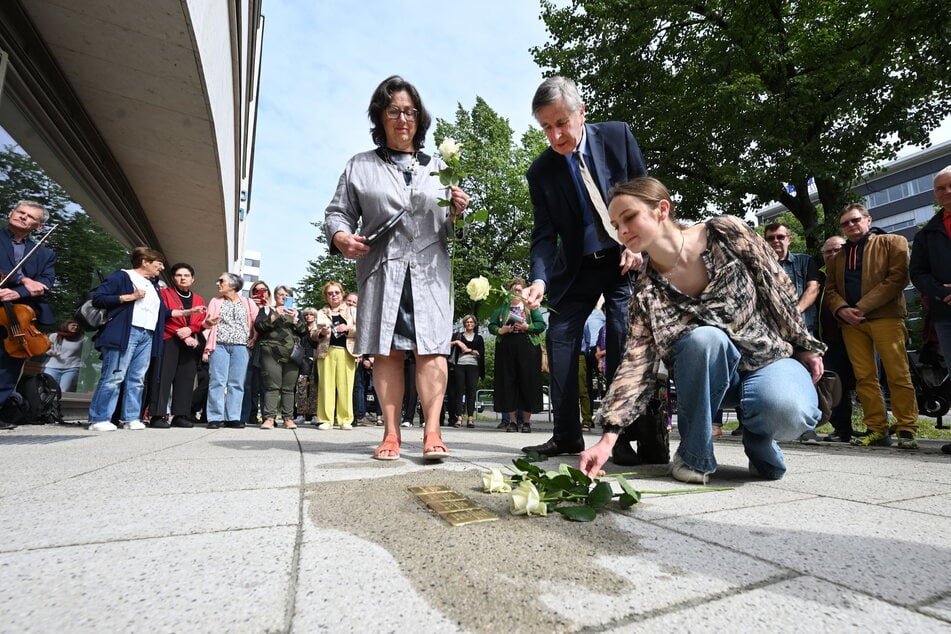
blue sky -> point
(322, 61)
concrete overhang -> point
(116, 100)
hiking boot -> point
(906, 440)
(873, 439)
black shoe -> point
(837, 437)
(737, 432)
(556, 447)
(946, 448)
(511, 427)
(526, 428)
(234, 424)
(213, 424)
(182, 421)
(5, 425)
(502, 425)
(159, 422)
(624, 455)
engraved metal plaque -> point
(452, 506)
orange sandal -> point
(391, 443)
(433, 447)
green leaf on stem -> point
(481, 215)
(629, 490)
(525, 464)
(578, 513)
(442, 202)
(577, 476)
(532, 456)
(626, 501)
(559, 483)
(600, 495)
(445, 179)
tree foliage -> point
(82, 247)
(731, 100)
(326, 268)
(495, 166)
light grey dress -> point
(373, 191)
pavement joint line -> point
(291, 605)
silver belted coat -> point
(370, 192)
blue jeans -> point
(778, 401)
(120, 367)
(66, 377)
(227, 367)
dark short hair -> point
(182, 265)
(381, 99)
(776, 226)
(145, 254)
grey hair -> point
(553, 89)
(234, 280)
(946, 170)
(310, 310)
(35, 205)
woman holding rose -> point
(402, 257)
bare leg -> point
(388, 380)
(431, 376)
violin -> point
(22, 340)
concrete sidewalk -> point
(195, 530)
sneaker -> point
(324, 426)
(680, 471)
(214, 424)
(511, 427)
(526, 428)
(363, 422)
(502, 425)
(406, 423)
(106, 426)
(873, 439)
(809, 437)
(299, 420)
(346, 426)
(906, 440)
(134, 425)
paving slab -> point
(896, 555)
(802, 604)
(233, 581)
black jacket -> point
(930, 266)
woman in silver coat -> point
(402, 258)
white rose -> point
(494, 482)
(526, 500)
(449, 149)
(478, 288)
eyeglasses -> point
(333, 293)
(221, 281)
(852, 221)
(394, 113)
(776, 237)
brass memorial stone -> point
(452, 506)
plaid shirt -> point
(749, 297)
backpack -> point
(88, 316)
(42, 396)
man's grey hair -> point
(35, 205)
(946, 170)
(553, 89)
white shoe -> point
(324, 426)
(134, 425)
(406, 423)
(680, 471)
(346, 426)
(105, 426)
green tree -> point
(82, 247)
(326, 268)
(730, 101)
(495, 166)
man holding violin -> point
(28, 286)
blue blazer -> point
(556, 244)
(40, 267)
(115, 334)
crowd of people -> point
(735, 320)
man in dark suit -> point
(575, 255)
(27, 286)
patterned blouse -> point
(749, 297)
(233, 327)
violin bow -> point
(19, 265)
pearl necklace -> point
(185, 296)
